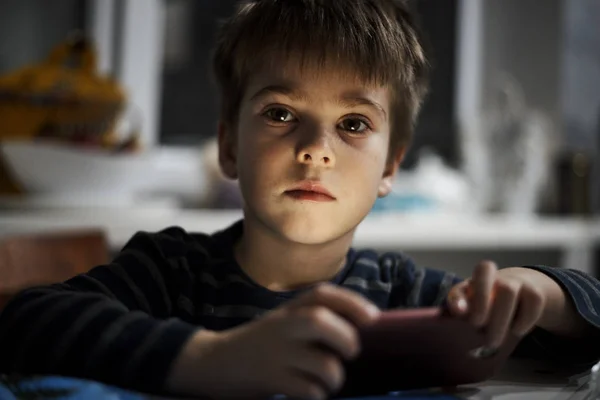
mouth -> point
(311, 191)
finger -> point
(323, 326)
(502, 313)
(320, 365)
(529, 311)
(480, 292)
(348, 304)
(296, 385)
(457, 299)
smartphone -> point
(421, 348)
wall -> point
(551, 48)
(581, 82)
(581, 73)
(524, 39)
(189, 104)
(29, 29)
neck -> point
(278, 264)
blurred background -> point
(108, 118)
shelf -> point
(382, 231)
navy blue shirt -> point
(125, 323)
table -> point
(518, 380)
(531, 380)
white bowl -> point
(53, 169)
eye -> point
(354, 125)
(278, 114)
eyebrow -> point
(353, 101)
(348, 101)
(293, 94)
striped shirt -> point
(125, 323)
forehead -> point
(315, 81)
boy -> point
(318, 102)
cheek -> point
(249, 141)
(258, 151)
(369, 159)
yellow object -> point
(62, 97)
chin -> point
(311, 229)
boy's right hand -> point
(296, 350)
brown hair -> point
(376, 40)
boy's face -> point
(310, 152)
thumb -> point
(457, 299)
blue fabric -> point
(50, 388)
(421, 395)
(53, 388)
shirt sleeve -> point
(583, 291)
(415, 286)
(114, 324)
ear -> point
(387, 180)
(227, 150)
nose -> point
(316, 152)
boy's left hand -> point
(501, 302)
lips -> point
(310, 190)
